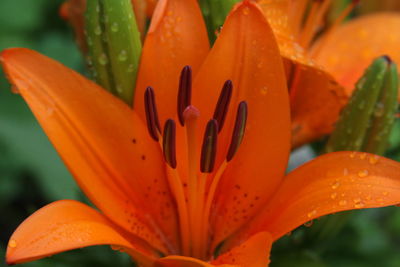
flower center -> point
(194, 199)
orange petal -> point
(316, 101)
(348, 50)
(177, 37)
(103, 142)
(139, 7)
(151, 5)
(331, 183)
(252, 253)
(246, 53)
(66, 225)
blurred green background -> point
(32, 175)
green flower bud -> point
(366, 121)
(215, 12)
(114, 46)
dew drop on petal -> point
(335, 184)
(373, 160)
(12, 243)
(311, 213)
(342, 202)
(363, 173)
(333, 195)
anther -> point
(222, 106)
(169, 143)
(209, 148)
(153, 124)
(185, 92)
(238, 130)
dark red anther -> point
(185, 92)
(169, 143)
(223, 104)
(209, 148)
(153, 124)
(238, 130)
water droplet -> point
(309, 223)
(335, 184)
(123, 55)
(345, 172)
(385, 193)
(264, 90)
(12, 243)
(103, 60)
(311, 213)
(246, 11)
(373, 159)
(97, 30)
(352, 155)
(114, 27)
(363, 173)
(131, 68)
(358, 204)
(334, 195)
(119, 89)
(363, 156)
(379, 109)
(342, 202)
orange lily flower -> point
(322, 70)
(172, 202)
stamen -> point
(319, 9)
(169, 143)
(185, 92)
(238, 130)
(153, 124)
(223, 104)
(209, 148)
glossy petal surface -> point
(102, 141)
(374, 35)
(177, 37)
(316, 101)
(246, 53)
(252, 253)
(331, 183)
(61, 226)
